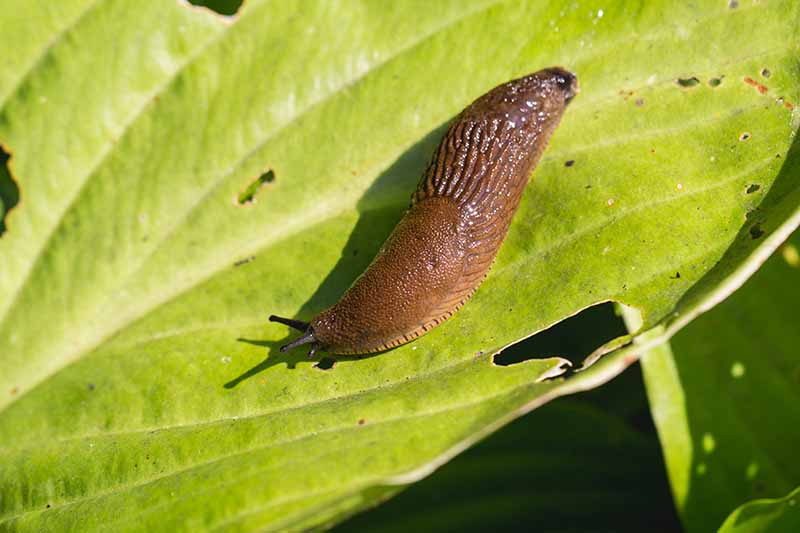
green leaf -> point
(765, 515)
(724, 397)
(134, 389)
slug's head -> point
(308, 336)
(531, 104)
(565, 80)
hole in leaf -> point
(244, 261)
(755, 231)
(9, 192)
(715, 82)
(766, 72)
(753, 188)
(569, 163)
(326, 363)
(572, 338)
(222, 7)
(687, 82)
(248, 196)
(744, 136)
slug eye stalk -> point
(308, 334)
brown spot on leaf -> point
(753, 83)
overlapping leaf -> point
(766, 515)
(725, 402)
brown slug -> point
(444, 245)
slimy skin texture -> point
(445, 244)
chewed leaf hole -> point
(687, 82)
(9, 192)
(753, 188)
(248, 196)
(572, 338)
(755, 231)
(715, 82)
(221, 7)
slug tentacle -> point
(445, 244)
(296, 324)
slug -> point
(443, 247)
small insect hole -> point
(326, 363)
(248, 196)
(244, 261)
(756, 232)
(744, 136)
(766, 72)
(687, 82)
(221, 7)
(9, 192)
(569, 163)
(676, 276)
(753, 188)
(361, 421)
(715, 82)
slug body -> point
(443, 247)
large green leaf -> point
(766, 516)
(725, 397)
(134, 389)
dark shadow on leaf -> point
(380, 208)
